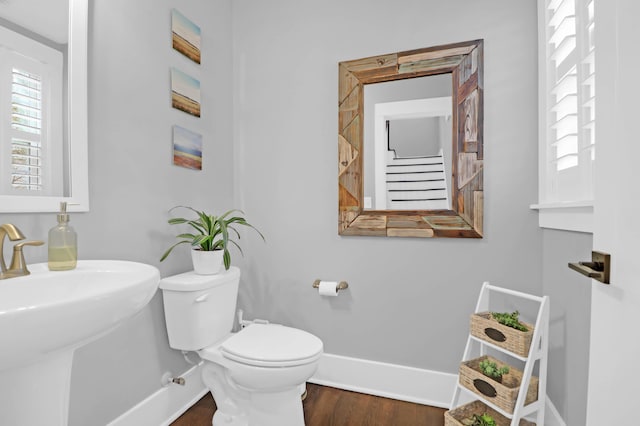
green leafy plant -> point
(476, 420)
(490, 369)
(211, 232)
(509, 319)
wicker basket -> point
(503, 394)
(454, 417)
(484, 327)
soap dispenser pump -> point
(63, 243)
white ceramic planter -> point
(206, 262)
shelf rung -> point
(514, 293)
(535, 356)
(489, 403)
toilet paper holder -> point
(342, 285)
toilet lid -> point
(272, 345)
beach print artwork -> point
(185, 92)
(185, 35)
(187, 148)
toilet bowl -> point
(254, 375)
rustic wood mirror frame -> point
(465, 62)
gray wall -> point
(133, 182)
(416, 137)
(409, 299)
(570, 295)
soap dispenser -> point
(63, 243)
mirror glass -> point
(407, 129)
(410, 143)
(43, 105)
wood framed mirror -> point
(425, 194)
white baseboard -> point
(398, 382)
(354, 374)
(388, 380)
(166, 404)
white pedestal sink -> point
(45, 316)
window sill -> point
(571, 216)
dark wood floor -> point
(325, 406)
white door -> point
(614, 370)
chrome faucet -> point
(18, 265)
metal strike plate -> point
(599, 268)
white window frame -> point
(20, 52)
(558, 210)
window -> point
(26, 126)
(30, 116)
(567, 112)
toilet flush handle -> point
(202, 298)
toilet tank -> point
(199, 309)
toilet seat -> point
(270, 345)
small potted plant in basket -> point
(476, 420)
(490, 369)
(509, 319)
(503, 329)
(209, 238)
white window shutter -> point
(569, 93)
(567, 102)
(26, 134)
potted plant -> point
(490, 369)
(476, 420)
(503, 329)
(496, 381)
(509, 319)
(210, 238)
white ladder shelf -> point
(538, 351)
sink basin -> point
(46, 310)
(45, 316)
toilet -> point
(255, 375)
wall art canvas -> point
(185, 35)
(187, 148)
(185, 92)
